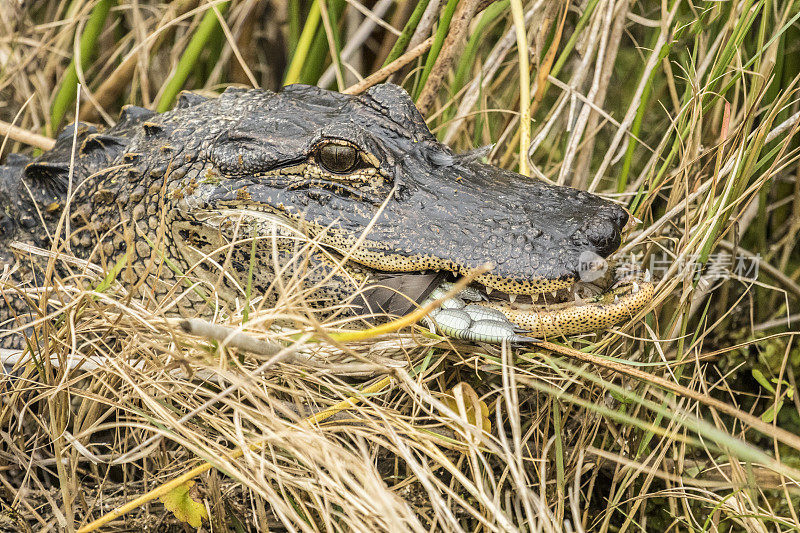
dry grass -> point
(686, 113)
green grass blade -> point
(320, 50)
(622, 181)
(249, 289)
(576, 33)
(205, 31)
(109, 278)
(303, 45)
(408, 30)
(334, 41)
(467, 60)
(68, 89)
(295, 23)
(558, 431)
(436, 47)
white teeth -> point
(616, 298)
(555, 294)
(647, 276)
(635, 288)
(512, 297)
(489, 291)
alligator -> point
(347, 198)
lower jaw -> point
(604, 311)
(619, 298)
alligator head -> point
(368, 180)
(225, 187)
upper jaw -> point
(520, 263)
(470, 215)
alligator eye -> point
(337, 158)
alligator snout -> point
(469, 214)
(605, 234)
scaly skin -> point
(186, 192)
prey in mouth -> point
(482, 314)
